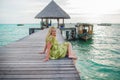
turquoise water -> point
(11, 32)
(98, 59)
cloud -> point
(24, 11)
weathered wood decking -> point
(21, 61)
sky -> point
(91, 11)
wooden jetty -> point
(21, 61)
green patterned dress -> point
(57, 50)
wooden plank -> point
(36, 68)
(35, 65)
(40, 76)
(40, 63)
(26, 60)
(35, 72)
(20, 52)
(45, 79)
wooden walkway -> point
(21, 61)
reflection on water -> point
(99, 58)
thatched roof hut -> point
(52, 11)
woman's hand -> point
(48, 52)
(42, 52)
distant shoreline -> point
(56, 23)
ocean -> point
(11, 32)
(98, 58)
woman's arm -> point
(44, 51)
(45, 48)
(48, 47)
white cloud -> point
(24, 11)
(94, 6)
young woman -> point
(54, 50)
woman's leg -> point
(71, 54)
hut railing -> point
(33, 30)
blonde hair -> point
(49, 32)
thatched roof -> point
(52, 11)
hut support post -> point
(63, 23)
(58, 22)
(92, 29)
(47, 23)
(41, 23)
(89, 28)
(50, 22)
